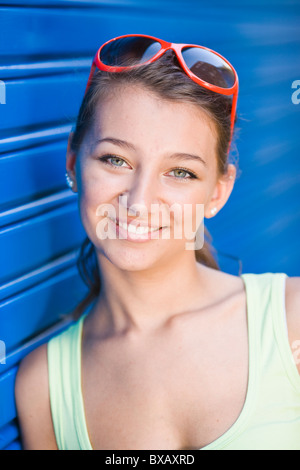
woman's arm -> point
(33, 402)
(292, 300)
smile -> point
(131, 228)
(134, 231)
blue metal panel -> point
(38, 308)
(7, 402)
(15, 445)
(37, 276)
(27, 244)
(38, 101)
(46, 48)
(34, 137)
(8, 434)
(31, 172)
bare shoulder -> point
(292, 303)
(228, 284)
(33, 402)
(292, 295)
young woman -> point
(167, 351)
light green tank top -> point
(270, 418)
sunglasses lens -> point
(209, 67)
(129, 51)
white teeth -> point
(138, 230)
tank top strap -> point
(64, 371)
(266, 302)
(281, 331)
(266, 295)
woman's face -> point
(150, 163)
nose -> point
(140, 197)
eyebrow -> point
(188, 156)
(128, 145)
(119, 142)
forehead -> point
(143, 118)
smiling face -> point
(150, 155)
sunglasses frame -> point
(177, 48)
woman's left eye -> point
(113, 160)
(181, 173)
(116, 161)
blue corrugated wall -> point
(46, 49)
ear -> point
(70, 163)
(221, 193)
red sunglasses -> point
(204, 66)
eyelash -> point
(105, 160)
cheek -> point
(188, 218)
(189, 200)
(94, 190)
(95, 186)
(190, 215)
(186, 211)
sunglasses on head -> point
(204, 66)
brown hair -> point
(166, 78)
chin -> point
(128, 261)
(132, 258)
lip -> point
(130, 231)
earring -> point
(69, 181)
(213, 211)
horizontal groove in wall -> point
(31, 69)
(17, 354)
(34, 137)
(26, 245)
(25, 315)
(38, 101)
(178, 4)
(37, 207)
(35, 277)
(29, 175)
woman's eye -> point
(112, 160)
(181, 173)
(116, 161)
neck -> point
(146, 300)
